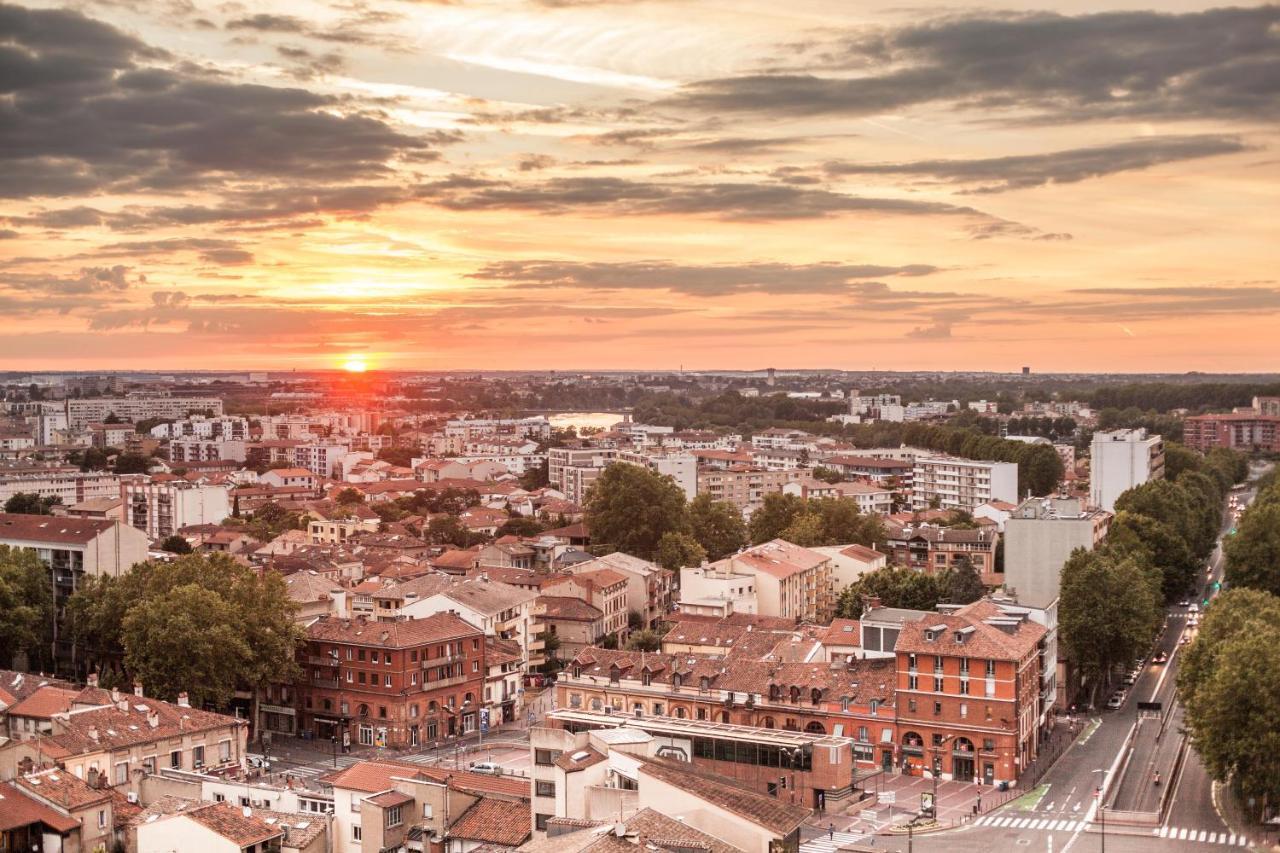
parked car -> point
(1116, 700)
(257, 762)
(486, 767)
(1160, 657)
(1130, 677)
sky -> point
(1075, 185)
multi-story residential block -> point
(744, 486)
(678, 465)
(572, 470)
(573, 623)
(396, 684)
(1039, 536)
(84, 411)
(954, 483)
(468, 429)
(790, 581)
(222, 428)
(868, 498)
(161, 509)
(893, 473)
(777, 438)
(716, 590)
(968, 693)
(933, 549)
(323, 460)
(498, 610)
(648, 584)
(603, 588)
(66, 484)
(850, 562)
(1120, 460)
(207, 450)
(1245, 431)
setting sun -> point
(355, 364)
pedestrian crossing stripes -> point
(829, 844)
(1173, 833)
(1201, 836)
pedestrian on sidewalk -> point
(831, 832)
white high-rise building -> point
(1121, 459)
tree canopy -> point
(630, 508)
(717, 526)
(26, 608)
(31, 503)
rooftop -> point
(391, 635)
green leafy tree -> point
(132, 463)
(844, 524)
(678, 550)
(521, 525)
(1229, 683)
(644, 641)
(1253, 554)
(536, 477)
(26, 607)
(775, 514)
(826, 475)
(30, 503)
(348, 497)
(630, 508)
(717, 525)
(94, 459)
(1107, 613)
(176, 544)
(964, 584)
(1166, 550)
(401, 457)
(1179, 458)
(895, 586)
(805, 530)
(449, 530)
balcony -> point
(446, 682)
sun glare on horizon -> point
(355, 364)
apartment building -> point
(161, 509)
(870, 499)
(895, 473)
(322, 459)
(66, 484)
(395, 684)
(1119, 460)
(790, 581)
(954, 483)
(223, 428)
(1244, 431)
(1039, 536)
(744, 486)
(498, 610)
(716, 590)
(572, 470)
(678, 465)
(649, 586)
(469, 429)
(603, 588)
(968, 693)
(82, 412)
(929, 548)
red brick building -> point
(1245, 431)
(394, 684)
(968, 696)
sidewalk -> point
(1233, 815)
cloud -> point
(705, 281)
(1158, 303)
(208, 249)
(934, 331)
(89, 280)
(267, 23)
(88, 110)
(535, 162)
(8, 234)
(1053, 67)
(998, 174)
(621, 197)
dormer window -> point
(775, 693)
(815, 695)
(646, 678)
(677, 680)
(614, 674)
(795, 694)
(704, 683)
(577, 672)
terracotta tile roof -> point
(299, 829)
(779, 558)
(572, 531)
(862, 552)
(308, 586)
(458, 559)
(981, 638)
(122, 811)
(497, 651)
(373, 776)
(506, 574)
(760, 809)
(61, 530)
(601, 578)
(843, 632)
(387, 799)
(291, 472)
(868, 462)
(486, 784)
(664, 831)
(392, 635)
(44, 703)
(487, 596)
(96, 729)
(233, 824)
(18, 810)
(423, 586)
(579, 759)
(494, 821)
(62, 788)
(564, 607)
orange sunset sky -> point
(1077, 186)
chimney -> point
(115, 696)
(183, 700)
(137, 689)
(153, 720)
(93, 733)
(91, 680)
(123, 705)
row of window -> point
(362, 710)
(374, 656)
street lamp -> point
(937, 771)
(1102, 813)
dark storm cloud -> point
(1216, 63)
(85, 114)
(998, 174)
(620, 197)
(708, 281)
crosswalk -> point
(829, 844)
(343, 761)
(1173, 833)
(1202, 836)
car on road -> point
(1116, 700)
(489, 767)
(1160, 657)
(1130, 678)
(1194, 608)
(1184, 603)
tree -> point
(805, 530)
(895, 586)
(30, 503)
(843, 524)
(349, 497)
(176, 544)
(1166, 550)
(1253, 554)
(826, 475)
(26, 607)
(1108, 611)
(1229, 683)
(448, 530)
(94, 459)
(1179, 458)
(132, 463)
(630, 508)
(677, 551)
(964, 584)
(773, 516)
(644, 641)
(521, 525)
(401, 457)
(536, 477)
(717, 525)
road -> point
(1060, 814)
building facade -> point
(1120, 460)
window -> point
(545, 757)
(427, 811)
(382, 712)
(224, 750)
(102, 818)
(413, 678)
(360, 654)
(991, 669)
(122, 772)
(875, 707)
(964, 687)
(349, 677)
(355, 832)
(913, 682)
(413, 711)
(373, 657)
(911, 705)
(175, 759)
(387, 681)
(544, 789)
(964, 711)
(149, 765)
(937, 709)
(394, 816)
(937, 685)
(361, 678)
(355, 804)
(350, 651)
(988, 745)
(197, 756)
(475, 666)
(540, 822)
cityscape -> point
(639, 426)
